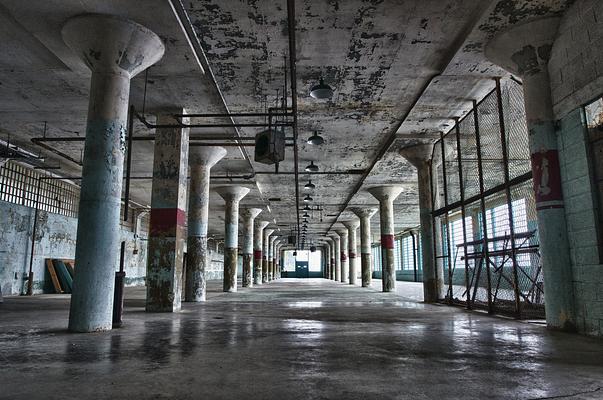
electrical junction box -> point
(270, 147)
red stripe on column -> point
(166, 220)
(257, 254)
(352, 255)
(387, 241)
(343, 257)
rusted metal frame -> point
(463, 210)
(505, 156)
(513, 182)
(273, 111)
(446, 222)
(482, 200)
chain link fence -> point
(484, 212)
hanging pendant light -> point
(321, 91)
(315, 139)
(306, 208)
(311, 167)
(306, 215)
(308, 199)
(309, 185)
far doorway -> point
(305, 264)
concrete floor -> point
(291, 339)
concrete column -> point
(352, 227)
(266, 260)
(277, 258)
(232, 195)
(328, 256)
(420, 157)
(524, 50)
(248, 215)
(365, 215)
(333, 256)
(167, 229)
(337, 256)
(386, 196)
(343, 254)
(115, 49)
(271, 257)
(258, 245)
(201, 160)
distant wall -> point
(55, 238)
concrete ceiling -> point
(401, 70)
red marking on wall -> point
(257, 254)
(164, 221)
(387, 241)
(344, 257)
(352, 255)
(547, 179)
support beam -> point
(167, 229)
(232, 195)
(202, 159)
(365, 215)
(116, 50)
(258, 246)
(266, 260)
(352, 227)
(420, 157)
(386, 196)
(336, 256)
(248, 216)
(343, 255)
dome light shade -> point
(306, 215)
(311, 167)
(306, 208)
(309, 185)
(321, 91)
(308, 198)
(315, 139)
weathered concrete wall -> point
(581, 214)
(215, 269)
(55, 238)
(576, 70)
(576, 64)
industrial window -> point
(408, 253)
(457, 239)
(398, 254)
(376, 252)
(497, 219)
(594, 124)
(314, 261)
(28, 187)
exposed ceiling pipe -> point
(292, 69)
(391, 139)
